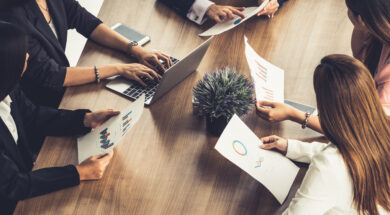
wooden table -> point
(167, 163)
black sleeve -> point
(281, 2)
(42, 69)
(16, 185)
(50, 121)
(180, 6)
(79, 18)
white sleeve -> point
(319, 189)
(198, 10)
(303, 151)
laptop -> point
(172, 76)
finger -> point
(222, 15)
(137, 79)
(268, 146)
(261, 109)
(166, 59)
(159, 64)
(155, 74)
(112, 112)
(230, 14)
(266, 103)
(238, 12)
(146, 75)
(263, 12)
(217, 19)
(149, 65)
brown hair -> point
(375, 15)
(353, 119)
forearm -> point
(107, 37)
(84, 75)
(313, 122)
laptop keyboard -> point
(136, 90)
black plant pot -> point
(216, 125)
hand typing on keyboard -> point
(138, 73)
(150, 58)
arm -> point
(319, 190)
(276, 112)
(302, 151)
(16, 185)
(50, 121)
(180, 6)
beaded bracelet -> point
(97, 75)
(304, 124)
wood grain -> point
(167, 163)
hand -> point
(220, 13)
(95, 119)
(274, 142)
(93, 168)
(270, 9)
(274, 112)
(151, 58)
(134, 71)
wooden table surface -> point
(167, 163)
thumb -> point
(266, 103)
(268, 146)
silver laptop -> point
(172, 76)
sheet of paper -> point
(241, 146)
(268, 78)
(76, 42)
(229, 24)
(103, 139)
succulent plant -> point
(224, 93)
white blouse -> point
(327, 187)
(5, 115)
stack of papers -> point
(103, 139)
(268, 78)
(241, 146)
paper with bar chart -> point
(241, 146)
(268, 78)
(231, 23)
(106, 137)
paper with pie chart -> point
(231, 23)
(106, 137)
(241, 146)
(268, 78)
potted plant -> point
(220, 95)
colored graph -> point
(126, 119)
(239, 148)
(104, 141)
(261, 72)
(269, 94)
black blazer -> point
(183, 6)
(17, 181)
(45, 75)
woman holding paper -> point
(370, 44)
(20, 119)
(350, 175)
(47, 23)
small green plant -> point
(224, 93)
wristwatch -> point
(130, 46)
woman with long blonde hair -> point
(351, 174)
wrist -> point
(296, 115)
(87, 120)
(135, 51)
(81, 172)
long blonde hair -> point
(352, 117)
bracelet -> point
(130, 46)
(304, 124)
(97, 75)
